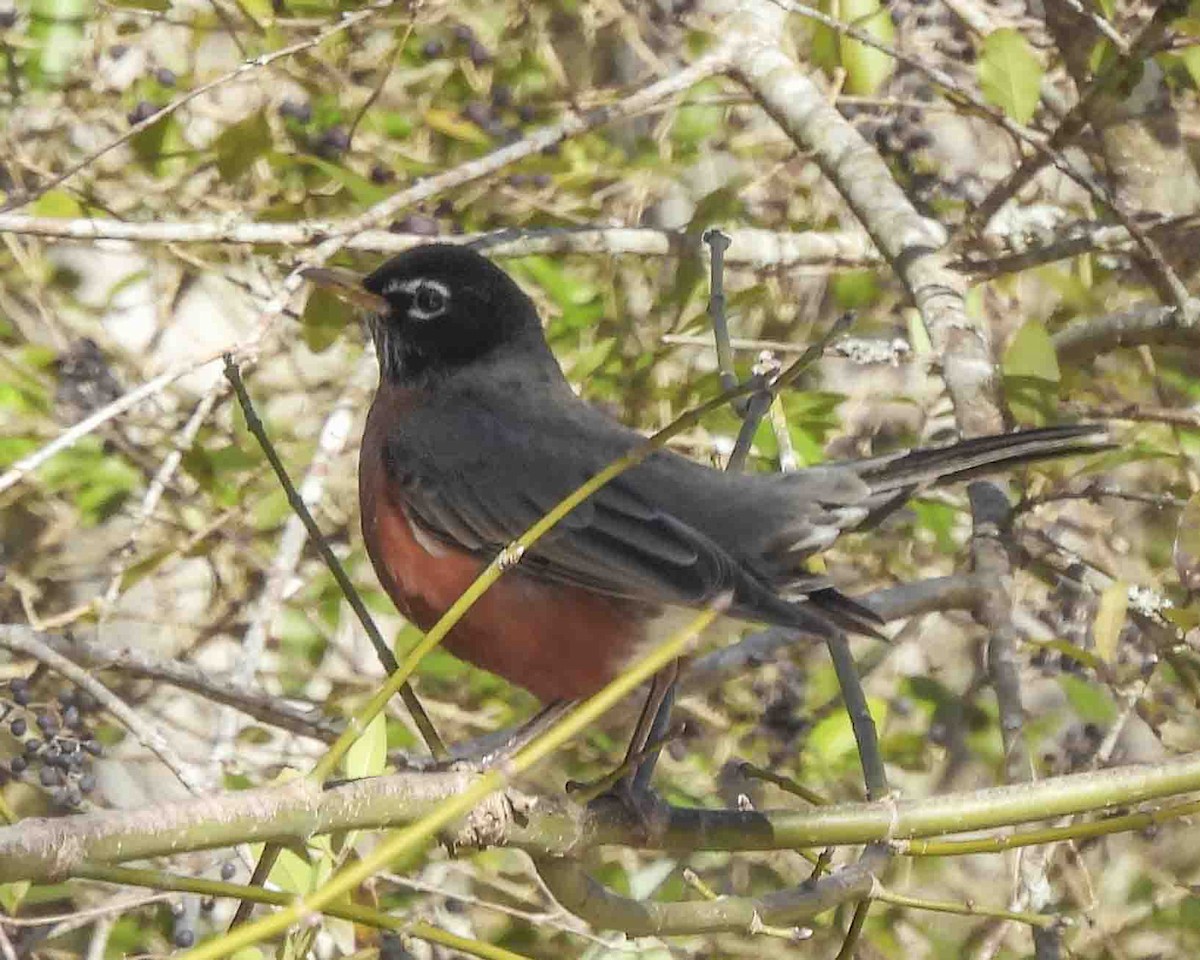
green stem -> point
(158, 880)
(1029, 838)
(964, 909)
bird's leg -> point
(651, 729)
(520, 738)
(629, 784)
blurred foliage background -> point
(165, 527)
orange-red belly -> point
(556, 641)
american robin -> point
(475, 433)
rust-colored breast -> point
(558, 642)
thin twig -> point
(717, 243)
(255, 425)
(158, 486)
(330, 442)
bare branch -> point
(218, 688)
(1146, 323)
(44, 849)
(761, 249)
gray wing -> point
(664, 532)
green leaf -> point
(832, 739)
(325, 318)
(367, 756)
(1010, 75)
(1187, 544)
(455, 127)
(360, 188)
(1086, 657)
(57, 203)
(867, 68)
(855, 289)
(155, 145)
(292, 873)
(1191, 62)
(1110, 618)
(1091, 702)
(238, 146)
(1031, 354)
(11, 895)
(939, 519)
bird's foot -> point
(646, 810)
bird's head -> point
(437, 307)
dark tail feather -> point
(911, 470)
(847, 612)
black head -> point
(442, 306)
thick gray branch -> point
(39, 849)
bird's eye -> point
(429, 301)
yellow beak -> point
(346, 285)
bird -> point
(475, 432)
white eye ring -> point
(429, 298)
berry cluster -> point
(56, 745)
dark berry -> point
(502, 96)
(32, 745)
(381, 174)
(67, 698)
(71, 717)
(392, 948)
(18, 765)
(118, 50)
(477, 113)
(7, 18)
(143, 111)
(227, 871)
(184, 937)
(526, 113)
(165, 77)
(919, 140)
(94, 747)
(87, 783)
(47, 723)
(20, 693)
(519, 180)
(18, 727)
(462, 33)
(444, 209)
(551, 150)
(542, 180)
(478, 53)
(432, 49)
(298, 110)
(333, 142)
(207, 905)
(416, 223)
(50, 776)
